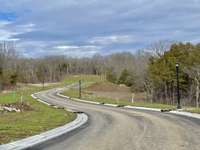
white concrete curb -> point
(142, 108)
(80, 100)
(111, 105)
(181, 113)
(43, 137)
(76, 99)
(38, 139)
(62, 95)
(33, 96)
(188, 114)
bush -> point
(110, 76)
(123, 77)
(126, 78)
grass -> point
(84, 78)
(91, 97)
(91, 79)
(14, 126)
(193, 110)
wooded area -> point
(151, 72)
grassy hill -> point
(96, 89)
(106, 92)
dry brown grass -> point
(109, 90)
(108, 87)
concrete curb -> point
(181, 113)
(48, 135)
(43, 137)
(111, 105)
(76, 99)
(33, 96)
(143, 108)
(188, 114)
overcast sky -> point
(86, 27)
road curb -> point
(142, 108)
(188, 114)
(33, 96)
(29, 142)
(46, 136)
(111, 105)
(76, 99)
(180, 113)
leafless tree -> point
(158, 48)
(194, 73)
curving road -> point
(124, 129)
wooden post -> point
(79, 88)
(133, 96)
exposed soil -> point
(3, 138)
(108, 87)
(113, 91)
(110, 90)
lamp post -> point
(178, 90)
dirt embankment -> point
(108, 87)
(114, 91)
(110, 90)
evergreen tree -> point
(110, 76)
(123, 77)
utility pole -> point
(79, 88)
(178, 90)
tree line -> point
(153, 72)
(162, 74)
(157, 75)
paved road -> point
(123, 129)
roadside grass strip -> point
(43, 137)
(182, 113)
(29, 142)
(72, 93)
(76, 99)
(40, 118)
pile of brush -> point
(16, 107)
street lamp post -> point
(178, 90)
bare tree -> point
(158, 48)
(194, 73)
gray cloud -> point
(113, 39)
(109, 25)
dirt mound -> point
(108, 87)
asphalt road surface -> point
(111, 128)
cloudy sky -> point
(85, 27)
